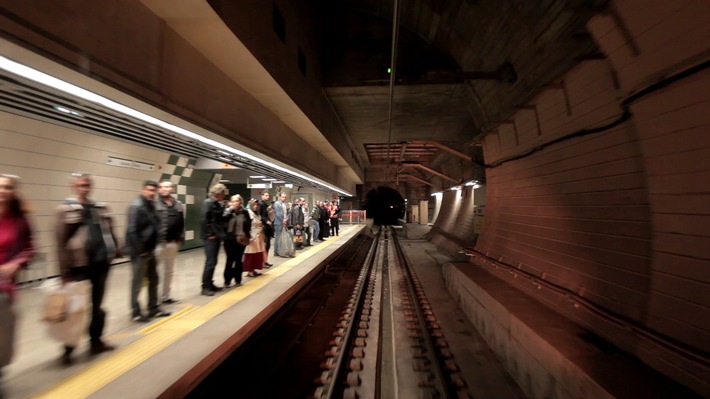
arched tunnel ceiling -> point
(442, 44)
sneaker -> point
(171, 301)
(100, 347)
(215, 288)
(158, 313)
(140, 318)
(207, 292)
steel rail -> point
(339, 369)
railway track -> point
(388, 342)
(362, 329)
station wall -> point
(44, 155)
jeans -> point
(278, 229)
(144, 266)
(315, 227)
(211, 253)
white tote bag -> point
(64, 309)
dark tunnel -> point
(385, 205)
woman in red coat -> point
(15, 252)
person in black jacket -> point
(267, 223)
(141, 240)
(324, 218)
(213, 232)
(238, 229)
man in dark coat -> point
(141, 240)
(213, 232)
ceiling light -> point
(67, 111)
(43, 78)
(257, 177)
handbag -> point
(56, 306)
(243, 240)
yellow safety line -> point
(162, 322)
(161, 334)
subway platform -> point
(167, 356)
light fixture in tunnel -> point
(66, 87)
(437, 193)
(473, 183)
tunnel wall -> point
(453, 225)
(619, 218)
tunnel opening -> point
(385, 206)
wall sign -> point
(127, 163)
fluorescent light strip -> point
(43, 78)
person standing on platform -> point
(267, 223)
(306, 223)
(238, 229)
(297, 221)
(142, 241)
(172, 235)
(86, 245)
(324, 217)
(15, 251)
(315, 222)
(213, 232)
(254, 252)
(280, 220)
(334, 213)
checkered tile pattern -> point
(179, 170)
